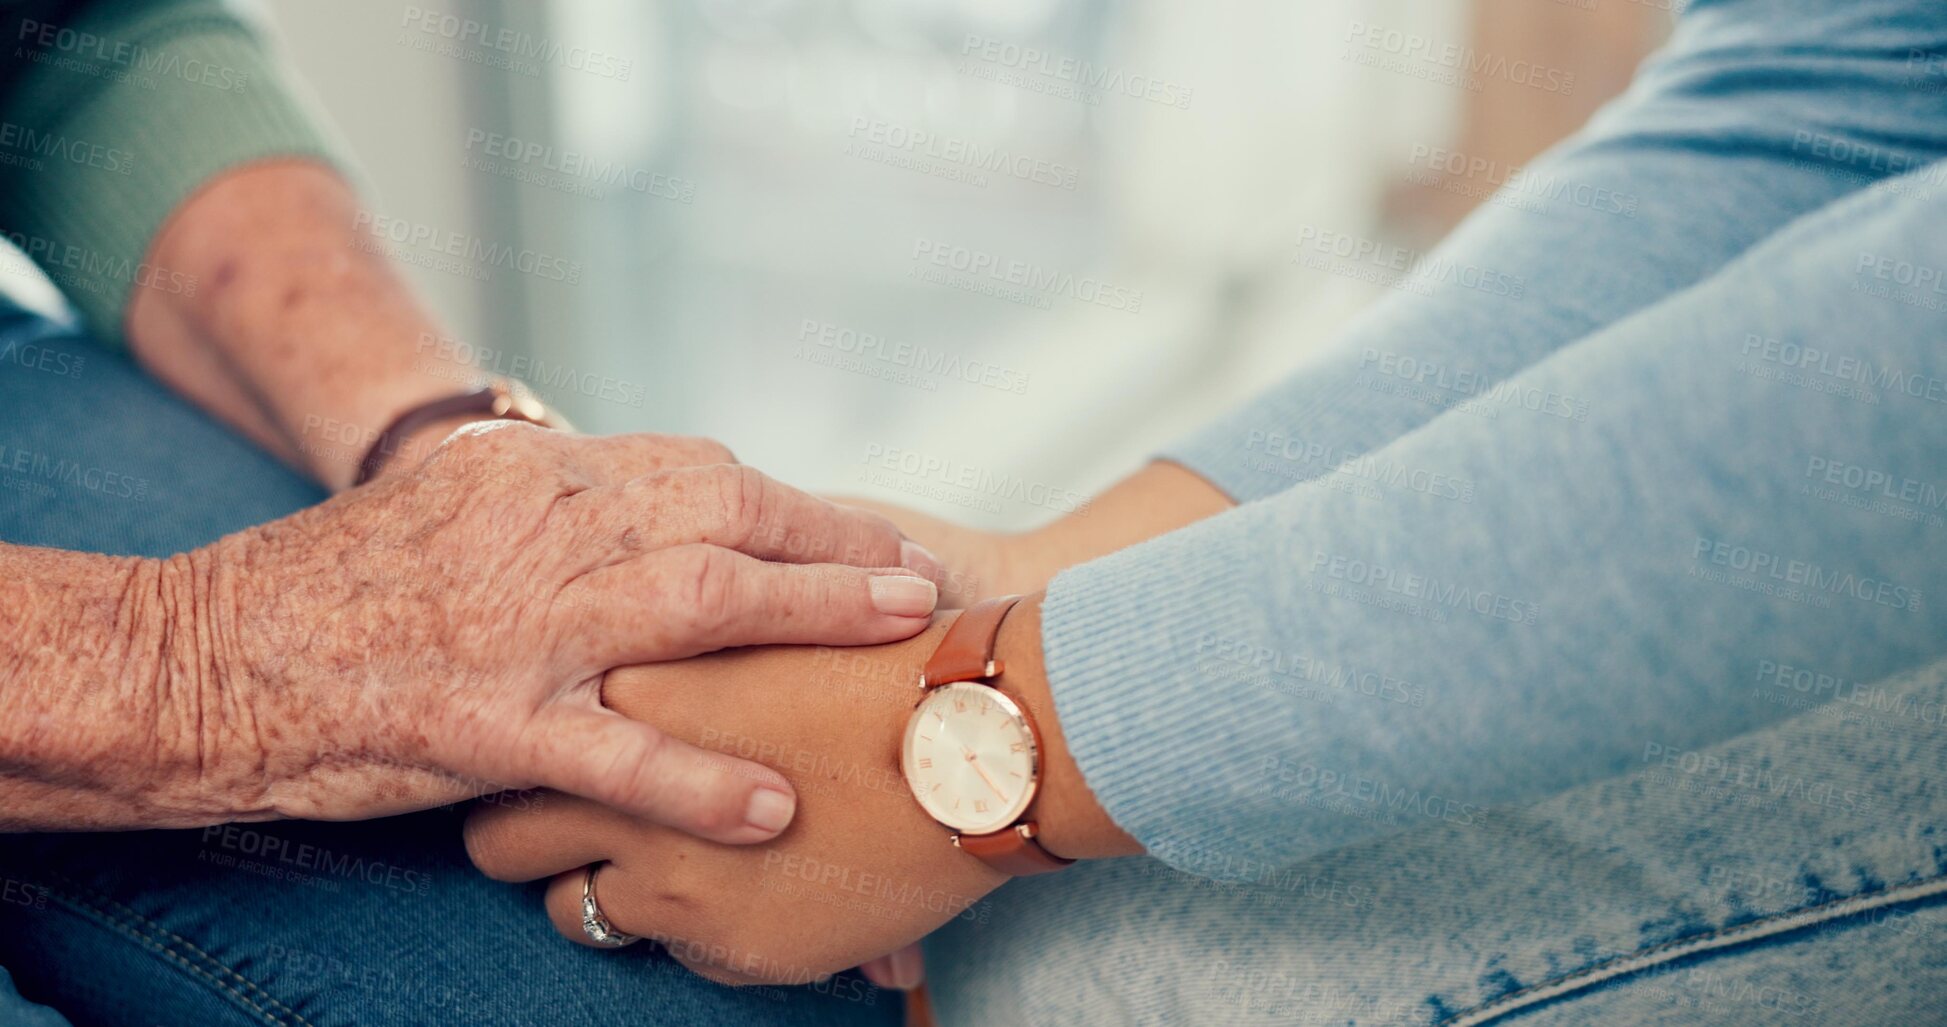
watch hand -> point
(982, 771)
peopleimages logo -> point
(1844, 368)
(1751, 778)
(1311, 781)
(978, 266)
(1398, 265)
(1360, 465)
(1409, 585)
(578, 167)
(1298, 666)
(276, 852)
(1872, 481)
(880, 140)
(1407, 48)
(82, 268)
(1473, 384)
(1090, 79)
(1820, 687)
(97, 51)
(909, 356)
(28, 143)
(36, 470)
(1782, 570)
(545, 378)
(1514, 178)
(42, 358)
(517, 44)
(971, 479)
(469, 247)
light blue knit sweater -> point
(1547, 516)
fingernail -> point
(920, 560)
(769, 810)
(908, 968)
(903, 596)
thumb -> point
(638, 770)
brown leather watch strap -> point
(1014, 852)
(496, 400)
(967, 651)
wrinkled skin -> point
(444, 631)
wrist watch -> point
(971, 754)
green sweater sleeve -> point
(111, 115)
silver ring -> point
(593, 923)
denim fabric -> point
(1797, 875)
(374, 923)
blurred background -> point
(977, 256)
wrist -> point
(414, 433)
(207, 755)
(308, 340)
(1071, 822)
(409, 450)
(208, 759)
(1025, 563)
(108, 719)
(1156, 500)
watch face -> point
(970, 757)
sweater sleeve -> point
(1756, 498)
(111, 115)
(1751, 116)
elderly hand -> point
(444, 632)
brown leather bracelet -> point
(498, 400)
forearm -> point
(112, 714)
(299, 336)
(1331, 664)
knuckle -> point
(709, 578)
(742, 493)
(880, 546)
(639, 776)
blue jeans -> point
(383, 922)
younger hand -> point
(860, 872)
